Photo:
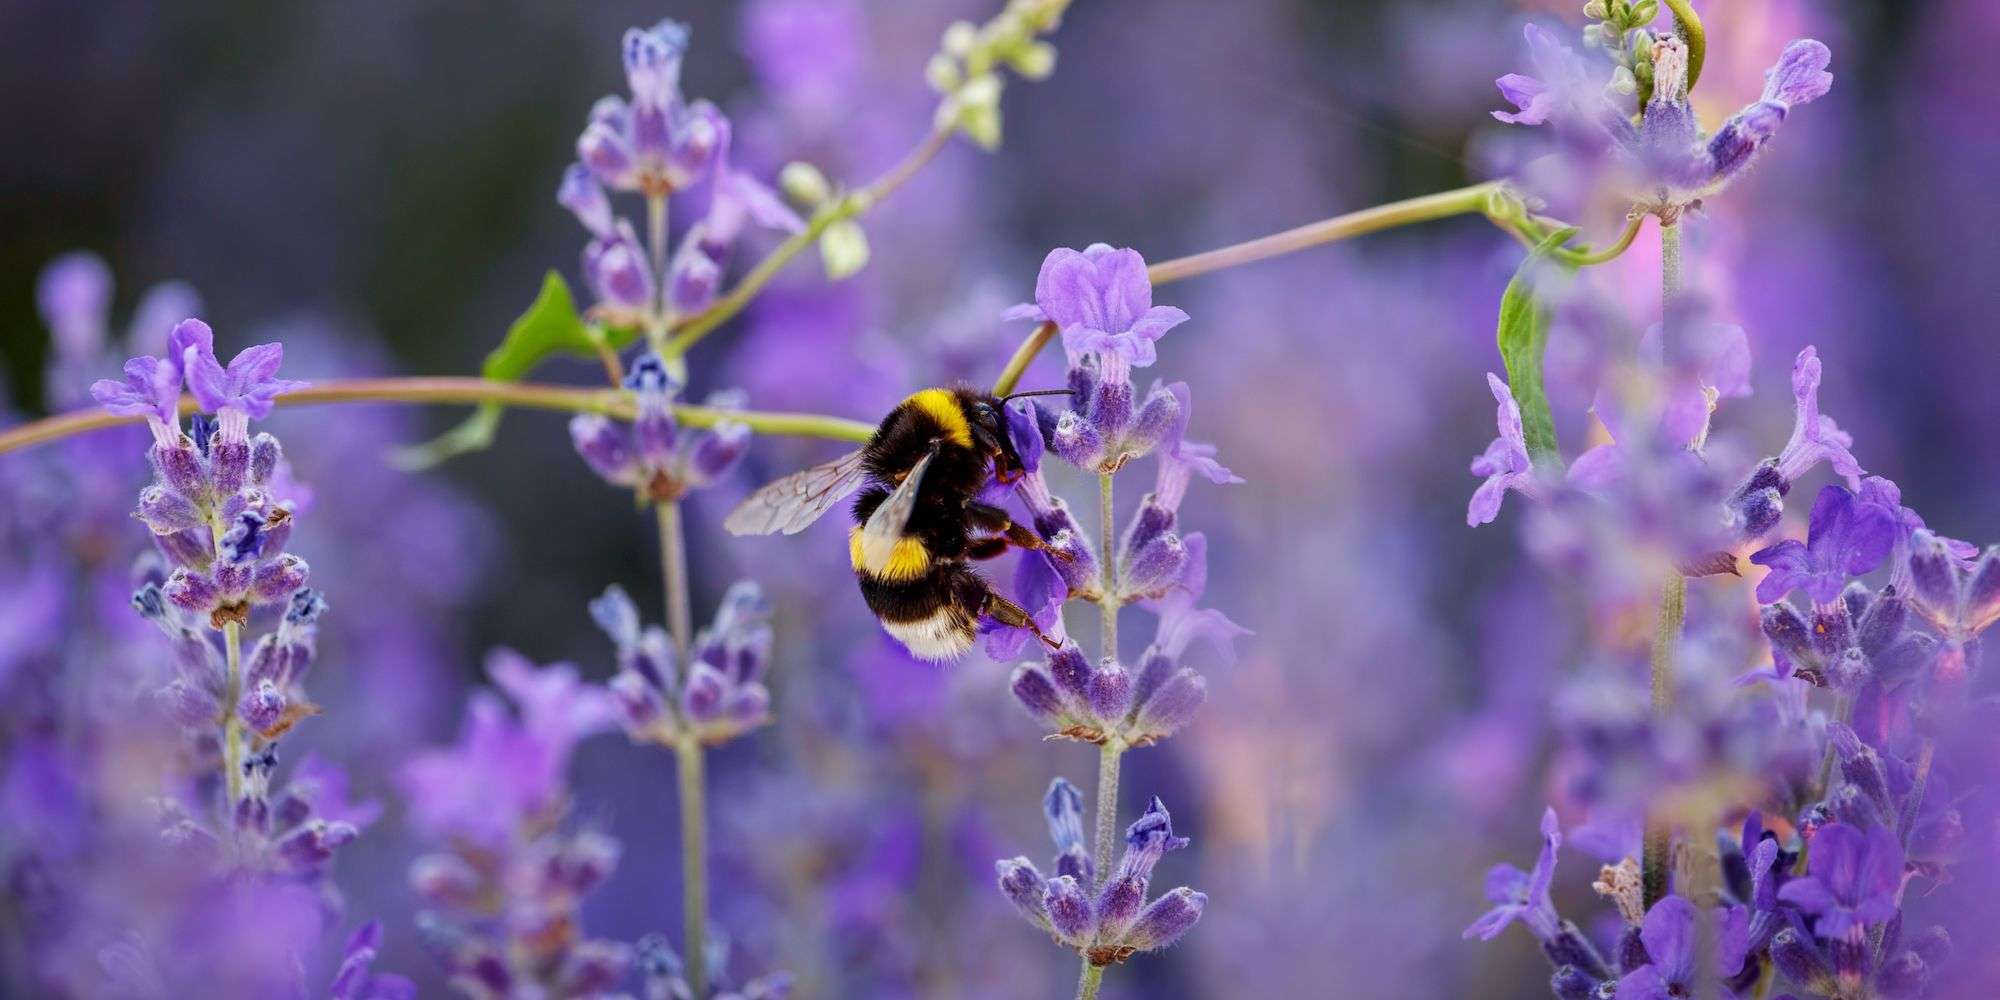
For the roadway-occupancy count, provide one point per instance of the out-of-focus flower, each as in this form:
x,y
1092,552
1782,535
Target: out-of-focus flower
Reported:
x,y
1115,921
716,697
1504,464
506,770
661,973
1664,164
355,980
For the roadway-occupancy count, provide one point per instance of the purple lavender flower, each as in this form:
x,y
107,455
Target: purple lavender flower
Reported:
x,y
73,296
1852,883
737,199
1104,701
1505,464
1669,936
247,386
717,697
506,769
654,456
661,971
658,143
1665,163
1102,302
1118,922
354,980
1844,539
1523,896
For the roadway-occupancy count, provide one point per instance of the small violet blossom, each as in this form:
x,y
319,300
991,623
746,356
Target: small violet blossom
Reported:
x,y
1852,881
660,460
1670,938
1504,464
1845,538
1523,896
1112,922
1102,303
716,697
1755,506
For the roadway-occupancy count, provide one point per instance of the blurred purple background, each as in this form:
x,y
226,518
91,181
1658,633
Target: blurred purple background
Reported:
x,y
373,183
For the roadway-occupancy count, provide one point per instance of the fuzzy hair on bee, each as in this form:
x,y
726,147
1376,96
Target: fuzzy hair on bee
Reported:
x,y
919,521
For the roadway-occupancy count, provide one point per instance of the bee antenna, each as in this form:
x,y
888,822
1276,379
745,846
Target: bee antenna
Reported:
x,y
1038,392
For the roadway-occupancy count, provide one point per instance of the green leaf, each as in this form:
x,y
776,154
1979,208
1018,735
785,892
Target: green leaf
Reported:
x,y
550,326
1524,338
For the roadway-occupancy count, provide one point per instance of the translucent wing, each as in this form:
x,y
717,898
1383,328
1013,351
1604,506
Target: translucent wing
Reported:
x,y
885,527
793,503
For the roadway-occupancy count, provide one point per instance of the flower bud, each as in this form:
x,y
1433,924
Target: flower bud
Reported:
x,y
1071,673
228,465
1172,706
603,446
804,184
190,591
180,468
1155,567
1069,910
166,511
1023,886
275,580
716,453
702,701
843,249
1169,917
1110,691
265,453
1036,692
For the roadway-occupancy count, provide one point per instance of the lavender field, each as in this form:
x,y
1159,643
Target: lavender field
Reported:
x,y
1000,498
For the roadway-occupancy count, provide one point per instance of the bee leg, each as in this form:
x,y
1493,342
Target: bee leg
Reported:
x,y
990,518
1008,613
985,548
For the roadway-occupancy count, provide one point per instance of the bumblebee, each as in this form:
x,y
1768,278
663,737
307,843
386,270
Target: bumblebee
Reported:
x,y
918,518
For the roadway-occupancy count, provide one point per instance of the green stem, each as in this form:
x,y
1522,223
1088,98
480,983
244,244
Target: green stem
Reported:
x,y
569,399
1112,751
1658,842
1666,638
694,866
1444,204
692,329
1087,985
656,243
232,724
673,569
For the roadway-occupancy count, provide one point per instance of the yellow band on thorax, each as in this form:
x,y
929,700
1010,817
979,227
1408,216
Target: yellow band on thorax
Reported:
x,y
942,406
907,561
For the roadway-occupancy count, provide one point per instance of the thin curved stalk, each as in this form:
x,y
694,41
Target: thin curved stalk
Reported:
x,y
570,399
690,330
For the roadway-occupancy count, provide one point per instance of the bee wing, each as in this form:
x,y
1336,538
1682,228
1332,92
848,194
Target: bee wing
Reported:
x,y
791,504
885,527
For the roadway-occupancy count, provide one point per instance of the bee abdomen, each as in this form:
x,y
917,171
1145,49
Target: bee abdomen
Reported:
x,y
924,613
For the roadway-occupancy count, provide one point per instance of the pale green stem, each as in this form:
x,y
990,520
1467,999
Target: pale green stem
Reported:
x,y
687,756
673,569
656,244
1093,977
1112,751
1666,638
694,866
453,389
232,724
1658,844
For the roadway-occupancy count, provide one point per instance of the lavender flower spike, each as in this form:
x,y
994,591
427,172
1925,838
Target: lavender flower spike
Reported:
x,y
1505,463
